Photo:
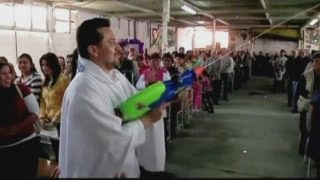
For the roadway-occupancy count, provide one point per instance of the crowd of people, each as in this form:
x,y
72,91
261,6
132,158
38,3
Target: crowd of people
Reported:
x,y
80,96
297,74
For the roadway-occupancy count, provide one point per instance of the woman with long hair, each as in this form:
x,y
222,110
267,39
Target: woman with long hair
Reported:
x,y
29,75
72,64
54,86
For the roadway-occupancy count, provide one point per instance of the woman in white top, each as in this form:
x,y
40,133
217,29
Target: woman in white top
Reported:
x,y
151,154
29,75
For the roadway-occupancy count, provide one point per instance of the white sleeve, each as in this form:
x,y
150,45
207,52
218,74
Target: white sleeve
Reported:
x,y
32,104
141,84
166,76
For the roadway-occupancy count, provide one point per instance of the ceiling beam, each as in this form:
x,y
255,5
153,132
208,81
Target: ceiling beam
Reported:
x,y
257,26
144,10
186,22
264,6
240,26
259,18
202,12
217,11
134,7
228,17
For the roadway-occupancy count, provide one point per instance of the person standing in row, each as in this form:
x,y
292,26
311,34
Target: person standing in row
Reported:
x,y
227,65
54,86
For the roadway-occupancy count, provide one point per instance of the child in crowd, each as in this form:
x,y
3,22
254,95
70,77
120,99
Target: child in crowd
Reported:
x,y
207,93
197,94
278,84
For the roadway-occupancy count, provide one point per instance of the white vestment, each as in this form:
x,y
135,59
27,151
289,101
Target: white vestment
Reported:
x,y
93,141
152,153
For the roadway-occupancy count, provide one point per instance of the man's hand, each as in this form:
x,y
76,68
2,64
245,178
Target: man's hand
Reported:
x,y
45,123
49,125
56,172
154,115
44,120
120,175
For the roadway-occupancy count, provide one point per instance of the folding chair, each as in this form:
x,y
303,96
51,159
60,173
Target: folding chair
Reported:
x,y
305,151
305,157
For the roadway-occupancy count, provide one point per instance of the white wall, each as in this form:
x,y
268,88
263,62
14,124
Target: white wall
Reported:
x,y
8,45
311,47
143,34
33,43
38,43
272,46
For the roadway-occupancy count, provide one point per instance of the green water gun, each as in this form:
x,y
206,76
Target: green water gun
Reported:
x,y
156,94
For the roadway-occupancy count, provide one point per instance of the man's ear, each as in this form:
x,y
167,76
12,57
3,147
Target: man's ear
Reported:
x,y
92,51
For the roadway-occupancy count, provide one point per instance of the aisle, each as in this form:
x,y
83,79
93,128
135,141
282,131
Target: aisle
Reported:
x,y
249,136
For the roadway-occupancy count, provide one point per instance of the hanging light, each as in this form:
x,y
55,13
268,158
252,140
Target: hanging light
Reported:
x,y
188,9
313,22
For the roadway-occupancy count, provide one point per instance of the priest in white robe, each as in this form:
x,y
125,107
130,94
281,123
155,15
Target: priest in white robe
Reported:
x,y
94,142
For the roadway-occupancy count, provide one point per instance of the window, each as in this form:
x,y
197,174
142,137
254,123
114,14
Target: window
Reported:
x,y
22,16
6,19
203,38
26,17
39,17
73,18
62,20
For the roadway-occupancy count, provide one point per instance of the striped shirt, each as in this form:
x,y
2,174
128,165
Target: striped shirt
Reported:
x,y
34,82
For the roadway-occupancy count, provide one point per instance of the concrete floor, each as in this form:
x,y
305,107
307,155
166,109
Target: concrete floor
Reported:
x,y
249,136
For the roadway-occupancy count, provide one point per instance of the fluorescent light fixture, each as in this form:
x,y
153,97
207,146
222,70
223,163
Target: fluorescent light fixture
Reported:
x,y
201,22
313,22
188,9
267,15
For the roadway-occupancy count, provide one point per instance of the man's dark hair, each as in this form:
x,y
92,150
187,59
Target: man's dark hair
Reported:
x,y
168,56
155,56
87,34
316,55
180,55
203,52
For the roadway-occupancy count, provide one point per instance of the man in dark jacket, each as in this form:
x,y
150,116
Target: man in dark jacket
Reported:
x,y
289,74
128,68
298,67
